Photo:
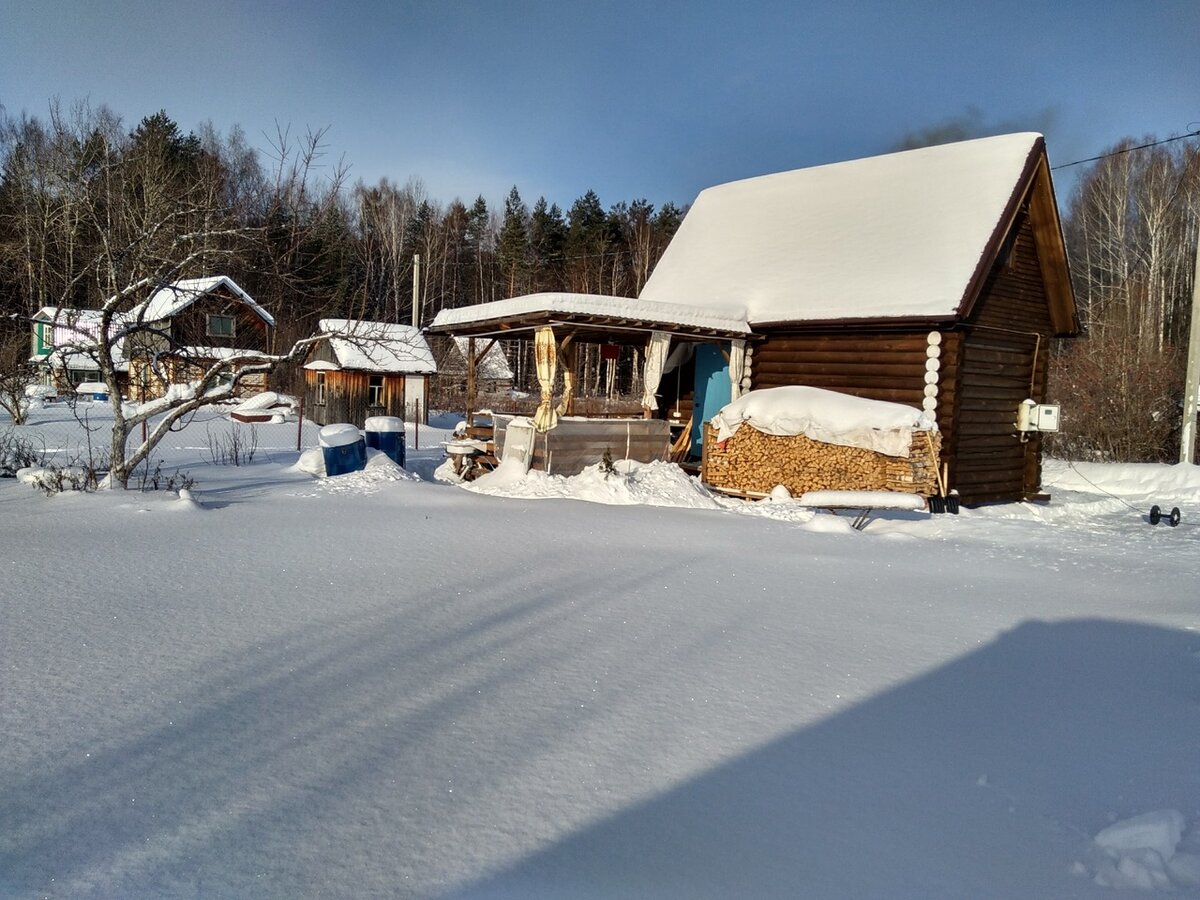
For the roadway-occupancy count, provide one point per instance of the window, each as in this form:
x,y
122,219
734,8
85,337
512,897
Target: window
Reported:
x,y
375,391
220,326
44,344
320,388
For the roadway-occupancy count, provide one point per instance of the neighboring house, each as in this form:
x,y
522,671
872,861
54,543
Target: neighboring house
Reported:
x,y
188,326
493,373
365,369
933,277
63,348
178,333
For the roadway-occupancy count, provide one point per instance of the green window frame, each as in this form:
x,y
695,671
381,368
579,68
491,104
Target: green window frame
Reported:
x,y
220,326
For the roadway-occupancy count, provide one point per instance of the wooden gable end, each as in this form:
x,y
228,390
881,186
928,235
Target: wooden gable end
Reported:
x,y
1040,296
190,327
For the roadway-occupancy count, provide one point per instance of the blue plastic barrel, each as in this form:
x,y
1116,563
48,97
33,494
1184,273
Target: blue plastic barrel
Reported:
x,y
386,434
343,447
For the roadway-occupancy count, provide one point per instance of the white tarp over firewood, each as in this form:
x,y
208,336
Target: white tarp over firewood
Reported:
x,y
825,416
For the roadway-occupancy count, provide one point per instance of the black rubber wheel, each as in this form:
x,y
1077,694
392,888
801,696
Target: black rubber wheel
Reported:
x,y
937,505
952,504
1176,517
1155,515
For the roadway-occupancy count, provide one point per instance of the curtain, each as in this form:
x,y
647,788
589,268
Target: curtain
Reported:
x,y
567,352
656,357
737,366
545,357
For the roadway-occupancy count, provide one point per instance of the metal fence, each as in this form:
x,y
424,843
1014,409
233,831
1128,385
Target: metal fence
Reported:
x,y
79,434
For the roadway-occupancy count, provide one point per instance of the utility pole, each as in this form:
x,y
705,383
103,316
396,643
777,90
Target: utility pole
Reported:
x,y
1187,443
416,290
1192,384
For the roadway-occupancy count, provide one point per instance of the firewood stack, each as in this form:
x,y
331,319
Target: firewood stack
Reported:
x,y
752,462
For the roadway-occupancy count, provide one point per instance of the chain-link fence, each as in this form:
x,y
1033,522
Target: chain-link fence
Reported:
x,y
79,434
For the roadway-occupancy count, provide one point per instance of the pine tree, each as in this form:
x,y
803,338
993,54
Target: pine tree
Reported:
x,y
513,245
547,243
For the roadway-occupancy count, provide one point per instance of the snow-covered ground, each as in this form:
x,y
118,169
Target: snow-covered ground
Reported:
x,y
373,686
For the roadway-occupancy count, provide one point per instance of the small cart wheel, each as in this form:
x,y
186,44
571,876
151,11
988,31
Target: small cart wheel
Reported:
x,y
1155,515
1176,517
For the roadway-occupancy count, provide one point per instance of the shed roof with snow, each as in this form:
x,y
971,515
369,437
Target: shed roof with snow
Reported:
x,y
379,347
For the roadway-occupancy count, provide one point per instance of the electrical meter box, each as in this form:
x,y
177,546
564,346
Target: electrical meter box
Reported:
x,y
1036,417
1045,417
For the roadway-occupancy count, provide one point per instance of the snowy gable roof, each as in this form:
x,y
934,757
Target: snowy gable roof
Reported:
x,y
170,300
892,236
494,365
378,347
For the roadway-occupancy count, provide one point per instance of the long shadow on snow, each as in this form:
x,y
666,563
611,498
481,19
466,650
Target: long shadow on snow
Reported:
x,y
983,778
271,738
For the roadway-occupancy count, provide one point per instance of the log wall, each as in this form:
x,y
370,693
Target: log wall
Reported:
x,y
988,365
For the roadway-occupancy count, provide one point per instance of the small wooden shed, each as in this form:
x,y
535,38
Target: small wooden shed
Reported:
x,y
360,369
934,277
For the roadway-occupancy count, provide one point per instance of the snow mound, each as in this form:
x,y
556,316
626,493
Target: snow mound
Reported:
x,y
1170,484
265,400
380,468
1140,853
186,501
825,416
628,483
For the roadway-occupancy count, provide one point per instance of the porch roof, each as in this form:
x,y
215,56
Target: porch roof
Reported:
x,y
591,317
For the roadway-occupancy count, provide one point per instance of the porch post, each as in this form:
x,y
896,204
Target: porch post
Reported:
x,y
470,411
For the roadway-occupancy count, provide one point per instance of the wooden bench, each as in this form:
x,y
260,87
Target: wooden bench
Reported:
x,y
864,503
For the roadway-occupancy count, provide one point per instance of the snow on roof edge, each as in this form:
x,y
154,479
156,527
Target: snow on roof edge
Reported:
x,y
731,318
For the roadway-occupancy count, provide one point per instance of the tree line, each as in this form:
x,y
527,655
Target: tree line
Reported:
x,y
90,209
1130,225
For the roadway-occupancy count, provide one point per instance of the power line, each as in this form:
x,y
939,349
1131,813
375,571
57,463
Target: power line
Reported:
x,y
1181,137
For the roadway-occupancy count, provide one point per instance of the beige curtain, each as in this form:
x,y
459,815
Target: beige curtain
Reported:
x,y
545,356
656,357
567,352
737,366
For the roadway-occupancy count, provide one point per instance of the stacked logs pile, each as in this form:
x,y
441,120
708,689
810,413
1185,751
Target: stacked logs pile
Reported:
x,y
752,462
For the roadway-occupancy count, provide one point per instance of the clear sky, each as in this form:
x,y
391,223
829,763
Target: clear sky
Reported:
x,y
654,99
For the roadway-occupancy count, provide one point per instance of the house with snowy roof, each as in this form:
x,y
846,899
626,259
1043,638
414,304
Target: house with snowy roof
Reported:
x,y
358,369
181,330
186,327
64,347
934,278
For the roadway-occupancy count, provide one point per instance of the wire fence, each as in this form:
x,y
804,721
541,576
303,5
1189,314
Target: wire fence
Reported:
x,y
78,435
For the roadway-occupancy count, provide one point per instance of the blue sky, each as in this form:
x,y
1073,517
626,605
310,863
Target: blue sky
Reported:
x,y
631,99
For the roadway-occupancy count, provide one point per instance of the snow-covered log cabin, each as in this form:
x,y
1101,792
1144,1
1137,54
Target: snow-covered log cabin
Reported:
x,y
934,277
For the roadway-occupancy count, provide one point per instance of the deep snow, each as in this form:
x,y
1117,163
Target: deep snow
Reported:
x,y
288,686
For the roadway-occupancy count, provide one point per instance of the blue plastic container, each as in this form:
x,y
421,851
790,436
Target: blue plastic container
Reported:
x,y
386,434
344,449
